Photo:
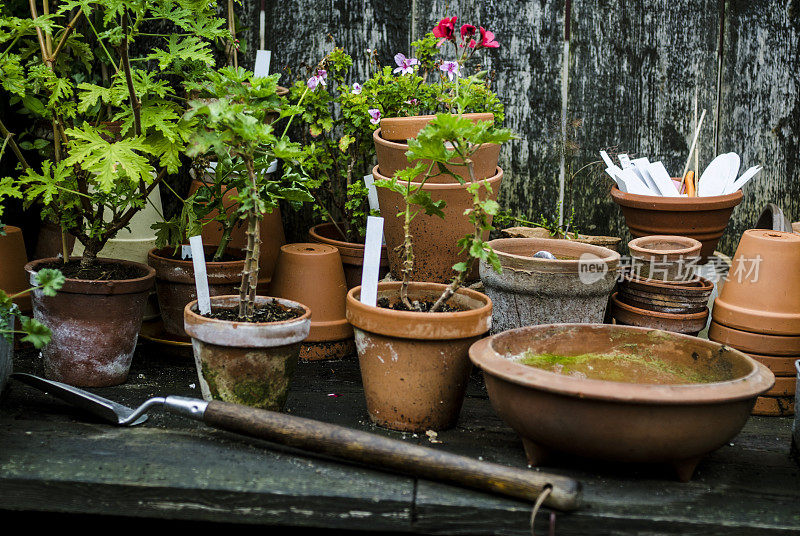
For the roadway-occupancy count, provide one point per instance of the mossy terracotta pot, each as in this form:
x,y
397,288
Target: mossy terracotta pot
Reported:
x,y
664,257
352,253
762,291
436,247
414,365
572,288
175,284
701,218
312,274
248,363
621,420
629,315
404,128
94,325
13,259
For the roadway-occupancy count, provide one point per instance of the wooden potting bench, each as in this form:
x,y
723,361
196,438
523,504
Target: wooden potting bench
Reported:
x,y
57,463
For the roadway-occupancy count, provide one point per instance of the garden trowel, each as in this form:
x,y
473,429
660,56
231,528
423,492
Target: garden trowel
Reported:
x,y
332,440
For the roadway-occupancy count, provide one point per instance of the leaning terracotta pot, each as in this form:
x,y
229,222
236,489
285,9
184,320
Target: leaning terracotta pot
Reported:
x,y
572,288
664,257
352,253
404,128
701,218
175,283
391,157
13,259
94,325
414,365
312,274
687,323
250,363
760,343
762,291
436,247
620,420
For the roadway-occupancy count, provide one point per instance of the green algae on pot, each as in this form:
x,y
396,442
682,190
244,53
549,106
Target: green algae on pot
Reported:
x,y
250,363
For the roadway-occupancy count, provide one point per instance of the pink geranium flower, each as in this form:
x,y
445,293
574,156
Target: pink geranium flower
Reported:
x,y
356,89
451,68
487,39
445,30
404,65
374,115
315,81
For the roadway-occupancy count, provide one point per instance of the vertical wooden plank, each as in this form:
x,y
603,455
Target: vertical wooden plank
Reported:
x,y
760,112
635,67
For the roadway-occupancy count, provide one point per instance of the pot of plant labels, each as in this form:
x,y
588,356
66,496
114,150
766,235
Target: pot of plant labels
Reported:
x,y
250,363
701,218
664,257
312,274
574,287
94,319
686,323
352,253
404,128
610,242
630,394
414,365
436,247
13,259
762,292
175,283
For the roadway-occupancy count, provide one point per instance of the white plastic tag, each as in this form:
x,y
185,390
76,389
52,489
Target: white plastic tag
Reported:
x,y
186,252
372,261
372,192
607,159
263,58
200,275
624,160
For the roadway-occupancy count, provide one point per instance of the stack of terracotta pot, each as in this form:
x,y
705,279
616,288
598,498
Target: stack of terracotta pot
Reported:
x,y
758,311
661,291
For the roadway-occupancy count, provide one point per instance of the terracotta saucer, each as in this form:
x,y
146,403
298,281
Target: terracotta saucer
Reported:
x,y
691,323
153,331
750,342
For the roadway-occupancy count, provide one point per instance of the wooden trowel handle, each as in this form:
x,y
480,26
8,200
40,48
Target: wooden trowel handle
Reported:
x,y
398,456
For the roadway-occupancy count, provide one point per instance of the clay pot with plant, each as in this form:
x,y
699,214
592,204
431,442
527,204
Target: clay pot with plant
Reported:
x,y
412,344
92,183
247,346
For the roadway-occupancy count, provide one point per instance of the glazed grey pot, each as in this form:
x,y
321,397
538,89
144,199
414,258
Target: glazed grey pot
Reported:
x,y
573,288
6,358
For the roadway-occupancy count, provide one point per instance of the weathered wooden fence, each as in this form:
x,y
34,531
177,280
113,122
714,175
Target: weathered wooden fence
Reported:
x,y
630,71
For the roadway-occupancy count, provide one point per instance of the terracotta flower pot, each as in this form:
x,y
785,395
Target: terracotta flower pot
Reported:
x,y
414,366
250,363
94,325
689,324
530,291
175,284
664,257
404,128
436,247
391,157
780,366
610,242
352,254
312,274
762,292
748,342
771,406
272,235
701,218
674,423
13,259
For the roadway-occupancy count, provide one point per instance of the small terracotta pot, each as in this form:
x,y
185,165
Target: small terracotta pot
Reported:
x,y
13,259
529,291
436,247
619,420
762,291
352,254
414,366
610,242
404,128
272,235
312,274
664,257
94,325
780,366
760,343
689,324
175,284
771,406
701,218
391,157
250,363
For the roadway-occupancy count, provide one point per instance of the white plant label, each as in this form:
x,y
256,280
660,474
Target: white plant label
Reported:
x,y
372,261
624,160
372,192
186,252
263,58
200,275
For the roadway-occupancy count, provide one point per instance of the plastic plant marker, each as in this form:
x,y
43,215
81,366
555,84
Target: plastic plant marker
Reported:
x,y
372,193
640,164
613,172
624,160
639,175
372,261
744,179
186,252
734,164
607,159
263,58
634,184
713,180
662,179
200,275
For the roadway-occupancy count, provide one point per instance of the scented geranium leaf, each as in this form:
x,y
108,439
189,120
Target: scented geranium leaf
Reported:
x,y
189,48
296,194
9,188
45,185
423,199
106,160
490,207
168,152
90,94
6,303
34,105
50,280
36,333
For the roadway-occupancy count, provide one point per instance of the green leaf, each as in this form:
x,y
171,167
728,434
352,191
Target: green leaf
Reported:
x,y
37,333
106,160
190,48
50,280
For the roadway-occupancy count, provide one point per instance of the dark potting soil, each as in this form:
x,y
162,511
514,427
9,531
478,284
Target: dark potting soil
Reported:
x,y
423,306
100,271
271,312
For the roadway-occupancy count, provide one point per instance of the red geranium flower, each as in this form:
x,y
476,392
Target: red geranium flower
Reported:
x,y
446,29
468,30
487,39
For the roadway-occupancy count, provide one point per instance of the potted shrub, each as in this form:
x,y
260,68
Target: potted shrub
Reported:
x,y
247,346
412,346
114,140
